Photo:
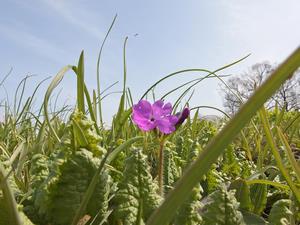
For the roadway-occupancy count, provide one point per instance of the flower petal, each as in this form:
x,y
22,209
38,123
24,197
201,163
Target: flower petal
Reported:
x,y
157,109
143,108
173,119
143,123
158,103
148,125
167,108
165,126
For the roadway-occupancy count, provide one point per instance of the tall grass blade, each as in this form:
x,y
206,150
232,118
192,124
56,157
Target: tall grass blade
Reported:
x,y
10,202
56,80
164,214
191,70
80,83
98,71
292,160
272,145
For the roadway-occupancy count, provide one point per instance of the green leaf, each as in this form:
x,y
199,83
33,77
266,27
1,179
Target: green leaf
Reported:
x,y
8,202
280,212
80,83
242,193
258,194
171,172
271,142
4,215
59,197
92,185
222,209
56,80
188,213
253,219
137,195
98,71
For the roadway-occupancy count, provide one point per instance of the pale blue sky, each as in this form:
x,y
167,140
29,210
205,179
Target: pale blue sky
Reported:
x,y
41,36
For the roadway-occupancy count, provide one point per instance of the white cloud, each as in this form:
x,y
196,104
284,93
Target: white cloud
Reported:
x,y
268,29
75,15
33,42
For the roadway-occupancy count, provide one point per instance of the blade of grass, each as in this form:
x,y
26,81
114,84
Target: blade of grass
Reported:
x,y
27,106
10,202
98,71
191,70
23,84
80,83
57,79
121,108
268,182
272,145
191,81
289,152
91,109
164,214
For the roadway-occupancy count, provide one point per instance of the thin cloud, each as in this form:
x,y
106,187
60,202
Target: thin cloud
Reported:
x,y
33,42
258,26
74,16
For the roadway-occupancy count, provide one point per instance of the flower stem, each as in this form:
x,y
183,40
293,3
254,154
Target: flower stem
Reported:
x,y
161,168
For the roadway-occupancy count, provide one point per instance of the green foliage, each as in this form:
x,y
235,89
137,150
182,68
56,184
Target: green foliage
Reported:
x,y
212,180
39,170
230,164
258,194
171,171
222,209
242,193
4,215
253,219
60,171
60,195
280,213
86,134
188,212
137,196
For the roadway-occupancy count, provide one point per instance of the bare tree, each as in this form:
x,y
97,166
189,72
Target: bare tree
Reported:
x,y
240,88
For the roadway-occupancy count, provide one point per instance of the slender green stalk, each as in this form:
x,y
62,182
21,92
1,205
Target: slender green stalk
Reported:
x,y
289,152
98,71
191,70
9,199
268,182
164,214
161,168
271,143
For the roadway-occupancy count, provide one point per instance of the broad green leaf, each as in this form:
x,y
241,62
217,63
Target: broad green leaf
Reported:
x,y
253,219
222,209
137,193
280,212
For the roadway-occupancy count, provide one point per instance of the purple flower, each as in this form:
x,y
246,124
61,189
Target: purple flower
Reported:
x,y
158,115
182,116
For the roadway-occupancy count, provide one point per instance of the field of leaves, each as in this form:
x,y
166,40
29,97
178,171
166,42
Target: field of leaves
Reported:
x,y
239,170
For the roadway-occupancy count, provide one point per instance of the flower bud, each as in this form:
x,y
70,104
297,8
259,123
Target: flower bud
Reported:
x,y
182,116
